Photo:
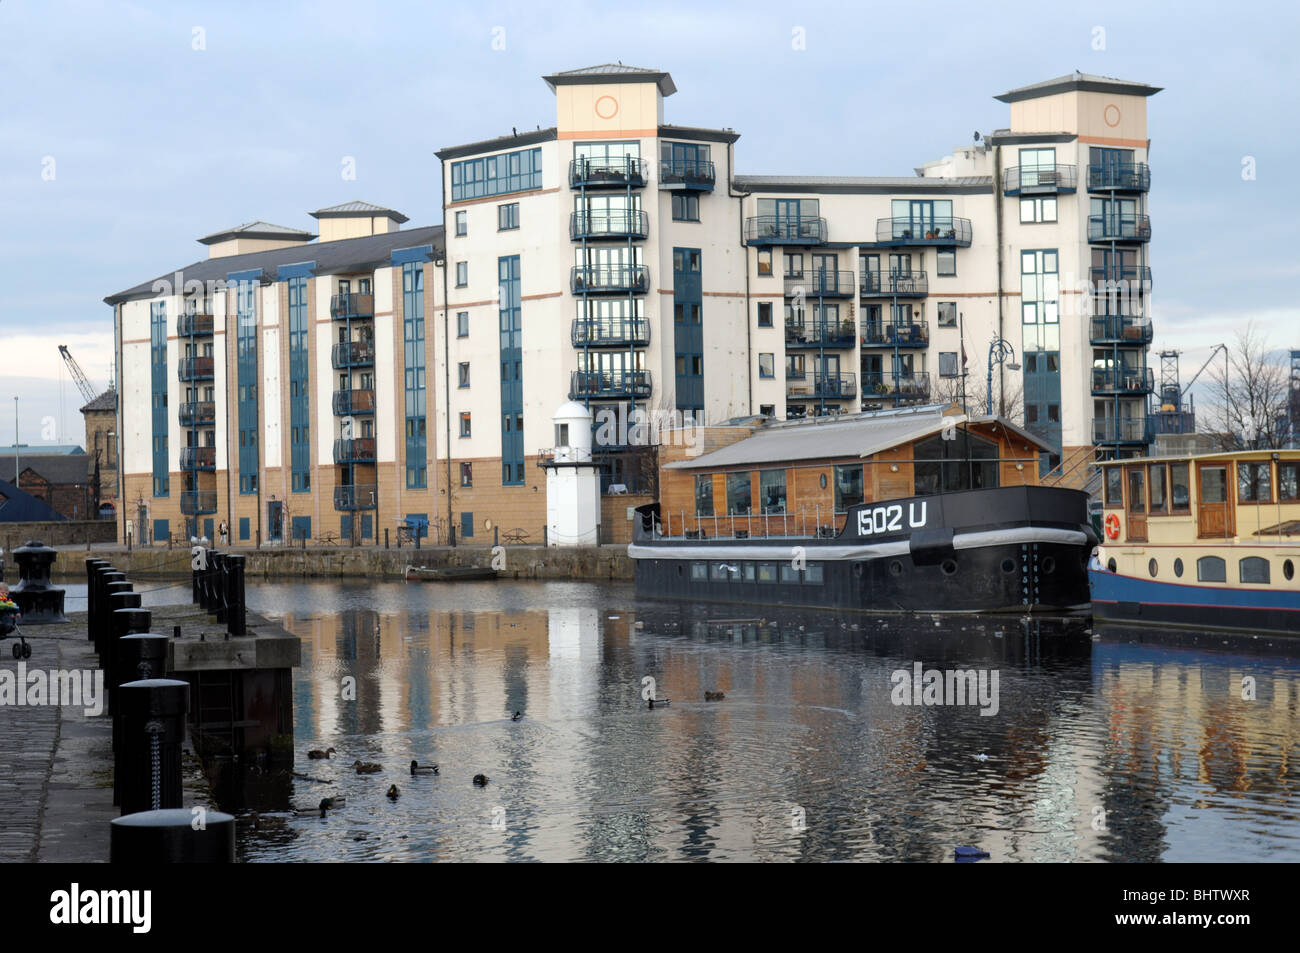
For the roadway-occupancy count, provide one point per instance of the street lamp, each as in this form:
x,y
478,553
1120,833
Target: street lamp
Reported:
x,y
999,351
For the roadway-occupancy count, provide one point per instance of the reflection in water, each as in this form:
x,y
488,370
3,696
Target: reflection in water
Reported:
x,y
1098,750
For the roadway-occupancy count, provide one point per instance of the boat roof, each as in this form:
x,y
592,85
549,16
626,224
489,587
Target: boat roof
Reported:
x,y
1225,455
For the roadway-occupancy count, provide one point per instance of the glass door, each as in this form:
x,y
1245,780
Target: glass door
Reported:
x,y
921,214
787,218
1214,517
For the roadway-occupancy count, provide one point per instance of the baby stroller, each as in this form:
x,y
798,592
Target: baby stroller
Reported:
x,y
9,616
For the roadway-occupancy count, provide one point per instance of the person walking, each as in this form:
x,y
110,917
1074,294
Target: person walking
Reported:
x,y
223,532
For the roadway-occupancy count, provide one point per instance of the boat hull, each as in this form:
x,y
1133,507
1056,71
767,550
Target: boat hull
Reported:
x,y
1129,600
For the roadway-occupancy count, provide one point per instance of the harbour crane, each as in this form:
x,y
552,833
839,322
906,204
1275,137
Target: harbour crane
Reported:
x,y
78,375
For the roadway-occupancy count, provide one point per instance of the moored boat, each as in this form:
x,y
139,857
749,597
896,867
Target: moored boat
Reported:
x,y
448,573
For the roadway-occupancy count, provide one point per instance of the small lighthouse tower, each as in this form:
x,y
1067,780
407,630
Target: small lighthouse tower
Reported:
x,y
572,481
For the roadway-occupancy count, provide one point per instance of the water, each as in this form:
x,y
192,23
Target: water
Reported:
x,y
1099,751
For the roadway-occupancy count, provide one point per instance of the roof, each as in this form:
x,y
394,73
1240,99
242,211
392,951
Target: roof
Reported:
x,y
258,230
866,184
61,469
105,401
612,73
344,256
516,140
1225,455
18,506
1085,82
351,209
669,131
7,453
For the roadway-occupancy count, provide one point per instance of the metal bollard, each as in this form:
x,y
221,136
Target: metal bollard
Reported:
x,y
139,656
105,606
128,618
235,606
219,606
173,837
102,578
148,760
93,566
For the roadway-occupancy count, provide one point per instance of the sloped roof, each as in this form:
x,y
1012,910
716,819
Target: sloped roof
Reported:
x,y
62,469
1087,82
350,209
19,506
258,230
516,140
105,401
612,73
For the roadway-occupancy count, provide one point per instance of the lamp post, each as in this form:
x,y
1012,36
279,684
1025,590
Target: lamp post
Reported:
x,y
999,351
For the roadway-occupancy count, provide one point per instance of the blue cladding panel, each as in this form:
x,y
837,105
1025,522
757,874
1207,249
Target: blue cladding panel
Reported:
x,y
512,384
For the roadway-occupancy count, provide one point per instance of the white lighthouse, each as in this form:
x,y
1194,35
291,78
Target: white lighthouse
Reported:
x,y
572,481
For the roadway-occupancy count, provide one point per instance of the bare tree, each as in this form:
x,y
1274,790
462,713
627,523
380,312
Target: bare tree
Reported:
x,y
1249,399
1008,402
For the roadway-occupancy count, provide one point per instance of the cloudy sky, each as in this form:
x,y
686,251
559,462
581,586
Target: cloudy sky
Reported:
x,y
127,130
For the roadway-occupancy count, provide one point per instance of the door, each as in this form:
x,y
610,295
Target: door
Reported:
x,y
274,519
1137,504
1214,517
921,214
869,266
787,218
830,371
873,331
873,374
825,273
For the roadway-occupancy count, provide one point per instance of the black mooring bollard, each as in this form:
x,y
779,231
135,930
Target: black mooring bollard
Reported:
x,y
235,614
128,619
106,607
176,836
219,605
148,760
93,565
103,577
205,579
140,655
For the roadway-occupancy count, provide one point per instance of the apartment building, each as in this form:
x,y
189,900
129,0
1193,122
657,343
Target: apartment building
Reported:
x,y
303,386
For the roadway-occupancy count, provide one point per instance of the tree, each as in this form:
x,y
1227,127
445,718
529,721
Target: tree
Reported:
x,y
1008,401
1249,399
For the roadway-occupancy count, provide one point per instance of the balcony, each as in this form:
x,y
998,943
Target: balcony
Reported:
x,y
197,412
821,284
347,402
1127,177
193,324
893,334
911,387
609,384
941,232
618,172
198,458
693,174
195,369
609,279
1120,278
1121,430
821,386
889,284
353,354
618,223
1122,380
355,450
197,502
1121,329
610,332
1119,228
352,305
362,496
1023,180
831,334
780,230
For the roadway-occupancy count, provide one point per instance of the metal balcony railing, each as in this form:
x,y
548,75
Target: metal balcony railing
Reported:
x,y
198,458
618,223
614,172
353,354
821,385
195,369
610,332
361,496
361,401
1030,180
194,323
891,334
914,386
903,284
609,384
815,333
1119,228
923,231
779,230
1120,329
195,412
609,279
1125,177
195,502
1120,278
1121,430
686,174
1123,380
355,450
352,305
820,284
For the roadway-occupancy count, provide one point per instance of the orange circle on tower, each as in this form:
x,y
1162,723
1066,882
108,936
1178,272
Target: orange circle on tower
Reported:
x,y
1111,109
607,107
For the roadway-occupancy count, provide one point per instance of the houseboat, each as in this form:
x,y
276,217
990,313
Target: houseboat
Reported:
x,y
912,510
1201,542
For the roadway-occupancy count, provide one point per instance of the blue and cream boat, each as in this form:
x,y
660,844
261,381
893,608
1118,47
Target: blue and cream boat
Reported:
x,y
1201,542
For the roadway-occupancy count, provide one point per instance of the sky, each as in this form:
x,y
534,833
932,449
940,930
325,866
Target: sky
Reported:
x,y
128,130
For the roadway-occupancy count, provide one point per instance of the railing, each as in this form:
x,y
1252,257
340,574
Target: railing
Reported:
x,y
354,402
197,412
1018,179
837,334
198,501
193,323
195,369
922,231
609,384
619,223
822,385
352,305
610,332
1126,177
778,230
198,458
809,523
362,496
355,450
686,173
889,334
820,284
1119,228
901,386
1121,329
906,284
609,279
353,354
1123,380
619,171
1121,430
1120,278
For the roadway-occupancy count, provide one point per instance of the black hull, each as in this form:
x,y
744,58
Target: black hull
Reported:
x,y
1201,617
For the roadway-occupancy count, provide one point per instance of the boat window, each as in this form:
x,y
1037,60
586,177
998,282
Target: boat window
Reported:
x,y
1254,482
704,494
1254,569
1179,496
1137,497
1157,488
771,490
848,487
738,495
1288,478
767,572
723,572
1214,485
1211,569
1288,570
1178,568
748,570
1114,486
945,466
789,573
813,575
699,572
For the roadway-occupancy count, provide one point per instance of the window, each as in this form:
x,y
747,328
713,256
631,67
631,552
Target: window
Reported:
x,y
767,365
1034,210
1180,496
765,314
947,363
793,265
462,374
464,424
794,367
767,410
496,175
947,314
1157,489
765,261
462,274
1254,569
704,494
1114,486
1137,497
738,493
1211,569
466,474
1288,476
767,572
686,207
699,572
1254,482
848,487
789,574
561,435
723,572
461,226
462,324
507,217
969,462
771,490
814,575
1214,485
945,263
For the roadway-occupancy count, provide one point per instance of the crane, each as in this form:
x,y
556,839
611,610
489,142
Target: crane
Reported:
x,y
78,374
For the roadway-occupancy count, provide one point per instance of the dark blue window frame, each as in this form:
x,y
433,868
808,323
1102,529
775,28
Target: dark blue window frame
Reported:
x,y
299,394
417,468
158,381
512,384
496,175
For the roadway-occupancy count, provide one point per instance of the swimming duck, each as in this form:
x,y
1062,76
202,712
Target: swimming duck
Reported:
x,y
367,767
393,793
714,696
517,716
316,754
417,768
659,702
480,780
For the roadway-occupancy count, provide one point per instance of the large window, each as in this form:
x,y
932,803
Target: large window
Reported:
x,y
1254,482
704,494
158,366
969,462
1114,486
299,393
848,487
1254,569
496,175
1180,496
738,493
1288,482
416,434
1211,569
771,489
